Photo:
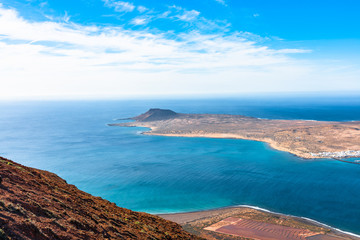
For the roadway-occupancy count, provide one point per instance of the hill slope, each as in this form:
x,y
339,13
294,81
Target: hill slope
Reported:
x,y
156,114
36,204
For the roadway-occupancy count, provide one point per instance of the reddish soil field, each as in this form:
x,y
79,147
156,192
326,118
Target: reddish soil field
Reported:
x,y
259,230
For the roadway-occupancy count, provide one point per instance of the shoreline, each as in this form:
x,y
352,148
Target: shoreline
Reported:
x,y
271,143
203,214
306,139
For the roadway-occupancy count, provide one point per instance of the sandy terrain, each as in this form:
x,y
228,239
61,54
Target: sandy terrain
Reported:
x,y
306,139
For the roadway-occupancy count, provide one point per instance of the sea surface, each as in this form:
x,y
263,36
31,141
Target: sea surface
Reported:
x,y
159,174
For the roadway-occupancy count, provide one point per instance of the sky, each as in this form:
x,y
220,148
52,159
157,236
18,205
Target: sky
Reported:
x,y
109,49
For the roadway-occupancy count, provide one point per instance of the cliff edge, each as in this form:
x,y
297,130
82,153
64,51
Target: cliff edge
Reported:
x,y
36,204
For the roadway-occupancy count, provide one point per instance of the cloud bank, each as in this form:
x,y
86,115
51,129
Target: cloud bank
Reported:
x,y
68,60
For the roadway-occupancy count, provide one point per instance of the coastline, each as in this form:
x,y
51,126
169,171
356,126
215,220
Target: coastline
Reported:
x,y
281,135
184,218
303,138
270,142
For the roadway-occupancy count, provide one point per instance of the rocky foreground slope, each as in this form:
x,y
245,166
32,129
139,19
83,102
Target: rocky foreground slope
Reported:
x,y
36,204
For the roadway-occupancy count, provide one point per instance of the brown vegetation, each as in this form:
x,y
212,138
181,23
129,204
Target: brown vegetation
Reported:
x,y
36,204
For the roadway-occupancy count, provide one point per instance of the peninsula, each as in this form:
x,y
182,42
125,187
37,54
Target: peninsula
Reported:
x,y
303,138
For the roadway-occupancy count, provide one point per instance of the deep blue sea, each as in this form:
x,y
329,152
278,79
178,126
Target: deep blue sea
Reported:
x,y
159,174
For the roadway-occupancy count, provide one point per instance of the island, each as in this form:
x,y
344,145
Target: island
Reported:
x,y
303,138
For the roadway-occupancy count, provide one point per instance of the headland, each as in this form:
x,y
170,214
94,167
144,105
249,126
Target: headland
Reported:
x,y
303,138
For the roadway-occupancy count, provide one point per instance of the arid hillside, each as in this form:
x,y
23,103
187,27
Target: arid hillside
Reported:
x,y
36,204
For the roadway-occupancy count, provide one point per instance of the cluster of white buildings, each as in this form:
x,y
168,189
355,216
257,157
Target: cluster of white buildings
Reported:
x,y
342,154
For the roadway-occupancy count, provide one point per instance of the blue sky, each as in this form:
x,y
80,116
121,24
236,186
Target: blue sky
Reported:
x,y
118,49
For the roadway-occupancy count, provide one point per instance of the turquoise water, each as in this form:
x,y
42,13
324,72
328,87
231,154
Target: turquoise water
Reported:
x,y
168,174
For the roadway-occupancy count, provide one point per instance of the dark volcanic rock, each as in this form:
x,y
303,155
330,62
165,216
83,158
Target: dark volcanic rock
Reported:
x,y
36,204
156,114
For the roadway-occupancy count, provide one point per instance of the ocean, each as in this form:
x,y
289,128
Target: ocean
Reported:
x,y
159,174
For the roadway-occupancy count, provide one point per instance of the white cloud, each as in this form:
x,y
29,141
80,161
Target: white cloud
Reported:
x,y
256,15
188,15
178,14
120,6
164,14
57,60
43,4
142,9
221,2
285,50
140,21
182,13
192,18
66,17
